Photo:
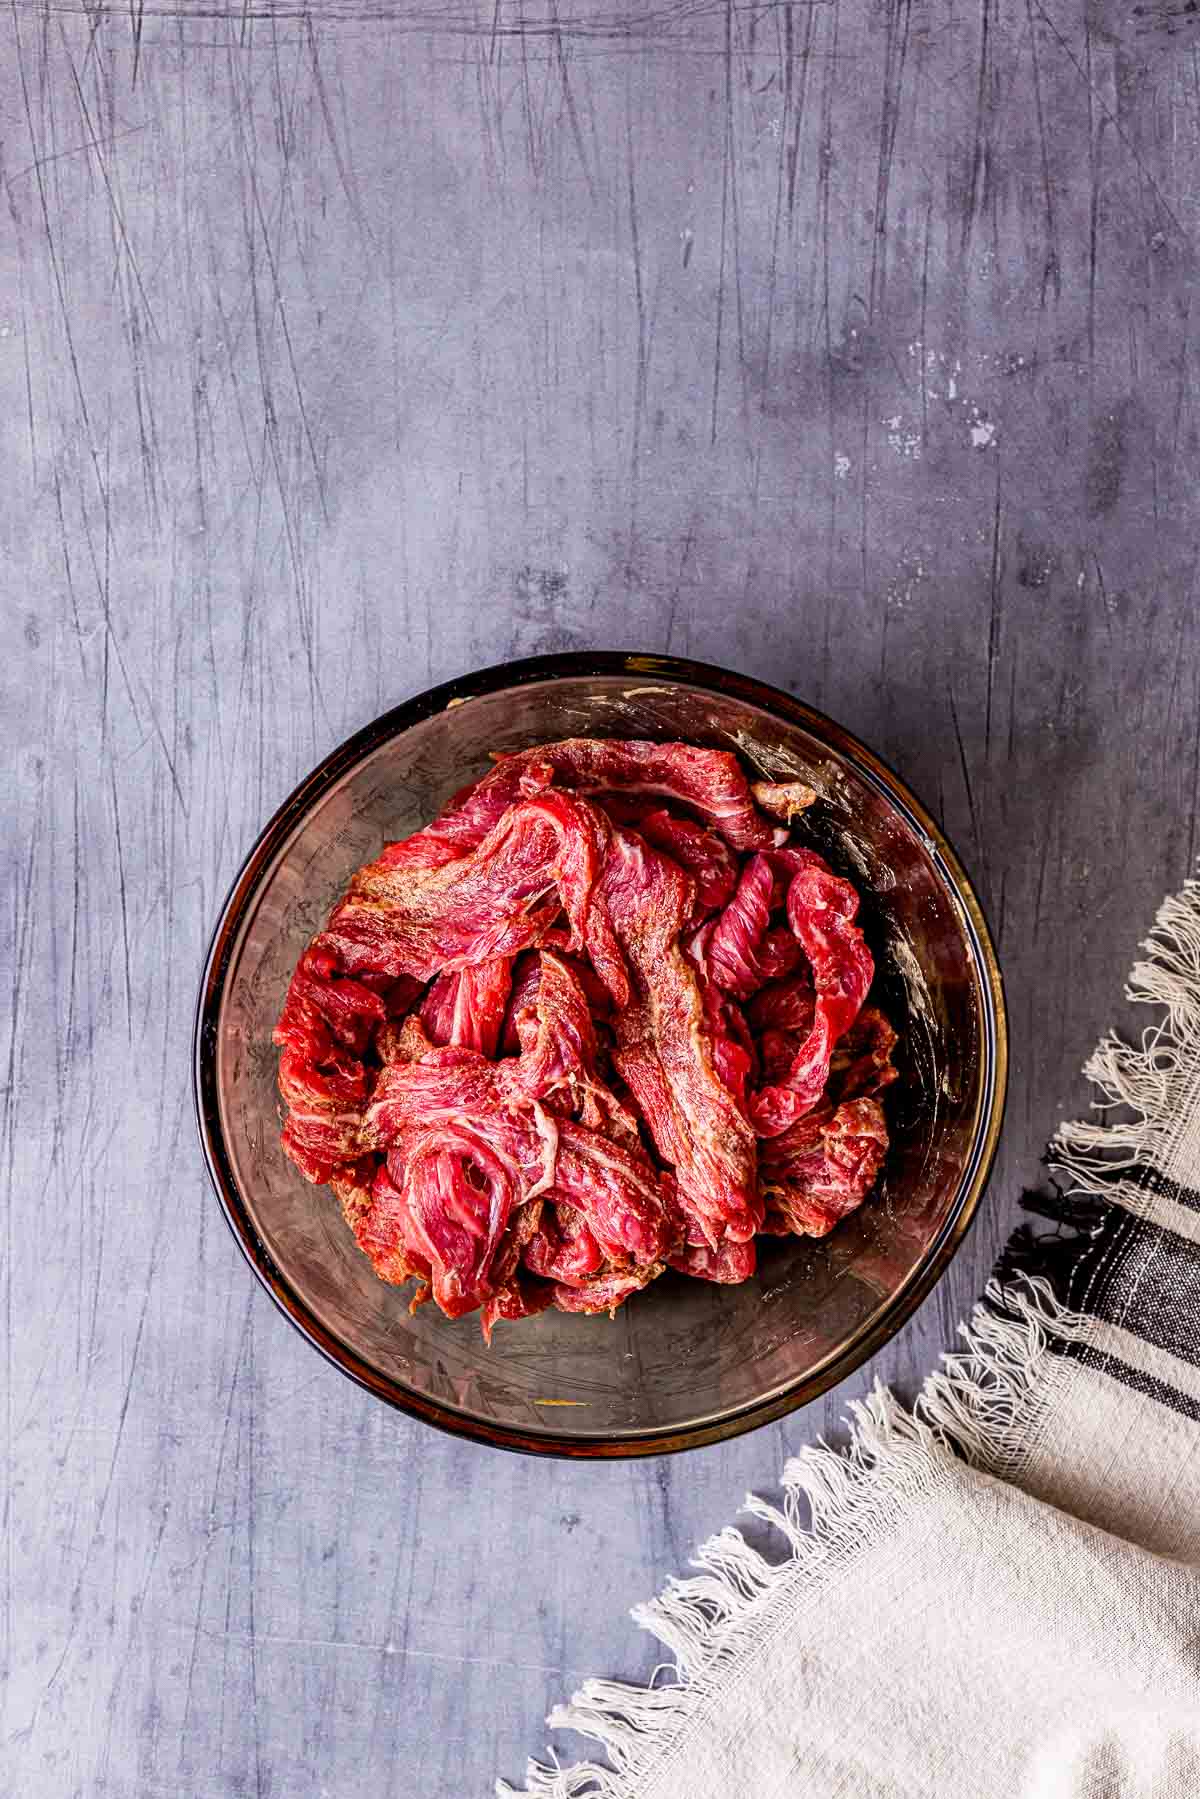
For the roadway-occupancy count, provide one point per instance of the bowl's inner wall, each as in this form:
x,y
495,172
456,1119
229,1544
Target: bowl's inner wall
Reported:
x,y
684,1351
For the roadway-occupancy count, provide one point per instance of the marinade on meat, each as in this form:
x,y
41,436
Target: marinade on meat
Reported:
x,y
600,1018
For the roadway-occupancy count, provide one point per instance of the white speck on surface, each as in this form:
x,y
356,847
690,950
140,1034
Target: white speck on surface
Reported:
x,y
905,443
983,434
841,466
936,363
901,589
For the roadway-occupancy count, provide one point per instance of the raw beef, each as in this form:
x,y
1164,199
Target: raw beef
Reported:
x,y
708,782
821,910
600,1018
823,1167
664,1048
698,850
467,1006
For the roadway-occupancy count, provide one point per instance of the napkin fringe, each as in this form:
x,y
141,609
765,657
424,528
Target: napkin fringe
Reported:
x,y
986,1400
835,1503
1151,1082
983,1404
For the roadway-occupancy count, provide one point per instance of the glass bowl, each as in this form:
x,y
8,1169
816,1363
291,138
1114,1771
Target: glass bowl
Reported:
x,y
685,1362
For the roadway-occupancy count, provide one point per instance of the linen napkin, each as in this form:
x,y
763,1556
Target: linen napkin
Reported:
x,y
998,1593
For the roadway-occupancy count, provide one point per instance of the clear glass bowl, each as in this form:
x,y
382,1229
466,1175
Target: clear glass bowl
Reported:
x,y
685,1362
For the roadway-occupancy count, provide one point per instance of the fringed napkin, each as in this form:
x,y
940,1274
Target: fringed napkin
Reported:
x,y
998,1594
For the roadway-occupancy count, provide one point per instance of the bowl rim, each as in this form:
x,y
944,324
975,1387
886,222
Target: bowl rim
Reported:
x,y
890,1317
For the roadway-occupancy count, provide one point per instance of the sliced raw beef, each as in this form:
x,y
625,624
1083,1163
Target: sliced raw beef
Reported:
x,y
823,1167
862,1063
598,1019
467,1006
325,1110
698,850
542,858
664,1049
821,910
708,782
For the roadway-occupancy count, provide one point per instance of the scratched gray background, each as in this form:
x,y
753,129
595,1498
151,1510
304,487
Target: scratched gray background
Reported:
x,y
848,344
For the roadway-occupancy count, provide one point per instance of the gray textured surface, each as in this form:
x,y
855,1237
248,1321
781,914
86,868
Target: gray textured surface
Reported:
x,y
847,344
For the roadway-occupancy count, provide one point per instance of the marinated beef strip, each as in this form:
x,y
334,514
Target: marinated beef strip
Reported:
x,y
698,850
707,782
821,910
737,935
325,1092
599,1018
862,1064
542,857
664,1048
467,1006
823,1166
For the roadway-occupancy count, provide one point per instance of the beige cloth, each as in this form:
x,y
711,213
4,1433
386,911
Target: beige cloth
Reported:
x,y
1001,1595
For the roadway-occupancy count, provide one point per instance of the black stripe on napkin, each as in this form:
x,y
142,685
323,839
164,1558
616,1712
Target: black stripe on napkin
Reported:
x,y
1151,1181
1106,1263
1153,1290
1134,1378
1103,1261
1089,1236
